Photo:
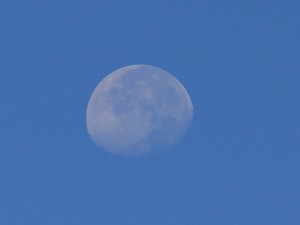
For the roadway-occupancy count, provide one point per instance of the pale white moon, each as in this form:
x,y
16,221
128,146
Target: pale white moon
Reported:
x,y
137,110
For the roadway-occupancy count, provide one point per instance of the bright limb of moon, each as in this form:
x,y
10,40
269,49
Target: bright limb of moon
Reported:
x,y
138,109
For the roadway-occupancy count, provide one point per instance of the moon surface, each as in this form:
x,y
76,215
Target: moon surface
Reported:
x,y
137,110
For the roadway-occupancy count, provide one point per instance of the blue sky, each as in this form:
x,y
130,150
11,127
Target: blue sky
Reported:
x,y
239,163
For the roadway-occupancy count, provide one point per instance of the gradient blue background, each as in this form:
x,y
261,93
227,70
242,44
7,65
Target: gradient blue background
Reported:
x,y
238,165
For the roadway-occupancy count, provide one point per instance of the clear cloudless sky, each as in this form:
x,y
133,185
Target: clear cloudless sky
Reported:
x,y
239,164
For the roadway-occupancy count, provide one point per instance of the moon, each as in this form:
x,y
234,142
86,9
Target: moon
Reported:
x,y
138,110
